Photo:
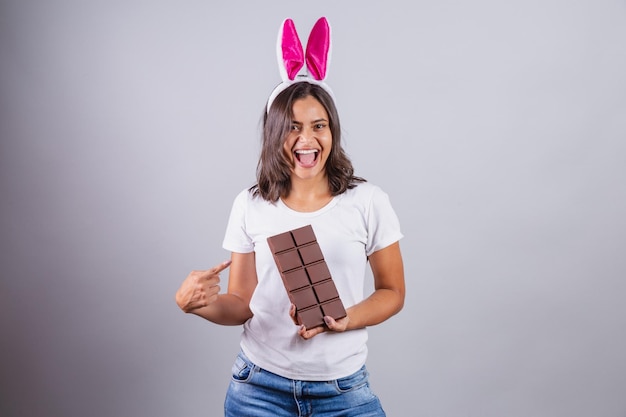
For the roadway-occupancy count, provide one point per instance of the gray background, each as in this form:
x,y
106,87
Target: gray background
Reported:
x,y
497,128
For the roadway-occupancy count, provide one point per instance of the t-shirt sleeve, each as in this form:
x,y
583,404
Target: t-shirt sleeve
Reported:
x,y
383,223
236,239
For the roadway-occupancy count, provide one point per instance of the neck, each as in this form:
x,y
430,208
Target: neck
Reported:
x,y
307,196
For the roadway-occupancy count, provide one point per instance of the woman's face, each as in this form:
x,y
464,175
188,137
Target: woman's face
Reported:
x,y
309,142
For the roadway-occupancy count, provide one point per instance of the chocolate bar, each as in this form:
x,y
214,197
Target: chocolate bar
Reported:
x,y
306,276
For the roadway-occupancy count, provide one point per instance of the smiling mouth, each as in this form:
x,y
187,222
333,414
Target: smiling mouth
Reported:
x,y
306,157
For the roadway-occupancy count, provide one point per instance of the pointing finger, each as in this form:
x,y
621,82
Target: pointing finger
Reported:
x,y
219,268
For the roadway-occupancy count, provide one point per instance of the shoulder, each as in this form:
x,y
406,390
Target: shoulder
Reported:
x,y
369,199
246,199
242,198
245,194
248,194
365,191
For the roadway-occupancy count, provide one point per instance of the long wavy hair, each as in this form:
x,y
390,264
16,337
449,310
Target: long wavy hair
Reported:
x,y
274,168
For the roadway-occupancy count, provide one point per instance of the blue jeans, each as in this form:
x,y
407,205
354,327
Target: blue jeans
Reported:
x,y
255,392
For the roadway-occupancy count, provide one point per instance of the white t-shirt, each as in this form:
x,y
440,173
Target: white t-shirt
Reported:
x,y
350,227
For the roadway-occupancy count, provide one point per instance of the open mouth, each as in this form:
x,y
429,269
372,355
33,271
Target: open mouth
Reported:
x,y
306,157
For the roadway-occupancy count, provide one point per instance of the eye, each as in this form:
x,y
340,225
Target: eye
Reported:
x,y
320,126
295,128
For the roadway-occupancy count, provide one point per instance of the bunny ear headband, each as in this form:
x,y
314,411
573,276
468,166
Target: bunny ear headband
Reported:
x,y
291,57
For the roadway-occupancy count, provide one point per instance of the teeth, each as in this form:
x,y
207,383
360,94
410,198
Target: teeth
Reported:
x,y
305,151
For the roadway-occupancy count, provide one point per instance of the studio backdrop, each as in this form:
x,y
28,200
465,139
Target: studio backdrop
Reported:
x,y
498,129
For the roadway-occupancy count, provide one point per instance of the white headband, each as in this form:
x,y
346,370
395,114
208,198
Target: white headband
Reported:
x,y
291,57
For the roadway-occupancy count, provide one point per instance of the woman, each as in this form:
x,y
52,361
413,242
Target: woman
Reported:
x,y
304,177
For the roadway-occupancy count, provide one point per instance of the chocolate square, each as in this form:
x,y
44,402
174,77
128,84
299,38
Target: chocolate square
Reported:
x,y
325,291
288,260
296,279
304,297
318,272
313,316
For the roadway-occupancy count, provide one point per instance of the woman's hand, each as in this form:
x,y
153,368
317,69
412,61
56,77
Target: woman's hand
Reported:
x,y
200,288
331,325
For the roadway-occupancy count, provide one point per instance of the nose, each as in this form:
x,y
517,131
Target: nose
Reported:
x,y
305,135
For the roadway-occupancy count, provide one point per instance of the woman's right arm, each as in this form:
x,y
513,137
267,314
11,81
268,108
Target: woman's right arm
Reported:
x,y
199,292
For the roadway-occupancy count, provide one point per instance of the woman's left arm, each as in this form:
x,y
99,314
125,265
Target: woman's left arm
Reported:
x,y
386,300
388,296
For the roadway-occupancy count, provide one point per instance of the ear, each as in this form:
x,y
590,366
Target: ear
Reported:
x,y
289,51
318,50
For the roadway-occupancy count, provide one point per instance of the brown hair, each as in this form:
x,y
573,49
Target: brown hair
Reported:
x,y
274,169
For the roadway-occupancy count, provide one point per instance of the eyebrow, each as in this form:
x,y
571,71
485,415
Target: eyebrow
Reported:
x,y
313,122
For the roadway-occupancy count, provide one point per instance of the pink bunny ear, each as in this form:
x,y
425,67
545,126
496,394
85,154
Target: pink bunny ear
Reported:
x,y
318,49
291,57
290,53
